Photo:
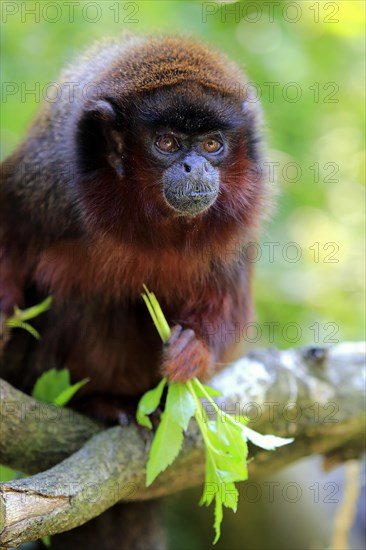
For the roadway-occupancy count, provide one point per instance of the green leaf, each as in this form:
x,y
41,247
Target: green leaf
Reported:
x,y
50,384
210,391
7,474
213,439
180,404
230,496
31,312
242,420
218,518
230,462
148,403
64,397
225,438
211,485
17,323
46,540
53,386
229,469
268,442
232,438
165,447
227,442
224,494
18,320
157,315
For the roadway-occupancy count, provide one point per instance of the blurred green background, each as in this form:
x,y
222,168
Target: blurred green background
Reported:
x,y
307,60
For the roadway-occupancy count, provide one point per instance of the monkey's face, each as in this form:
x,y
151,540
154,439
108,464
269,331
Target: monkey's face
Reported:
x,y
187,135
191,179
182,151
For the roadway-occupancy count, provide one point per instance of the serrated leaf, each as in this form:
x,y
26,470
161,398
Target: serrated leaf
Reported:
x,y
212,440
211,485
268,442
64,397
148,403
165,447
218,518
232,439
51,384
230,496
227,445
227,467
180,404
228,470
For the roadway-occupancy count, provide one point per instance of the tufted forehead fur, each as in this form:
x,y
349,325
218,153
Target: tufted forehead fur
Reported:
x,y
170,60
120,67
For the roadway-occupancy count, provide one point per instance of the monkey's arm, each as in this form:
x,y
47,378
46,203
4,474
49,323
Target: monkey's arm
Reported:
x,y
208,328
36,210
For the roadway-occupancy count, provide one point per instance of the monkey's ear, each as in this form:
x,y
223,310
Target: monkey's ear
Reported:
x,y
102,109
100,136
245,106
249,107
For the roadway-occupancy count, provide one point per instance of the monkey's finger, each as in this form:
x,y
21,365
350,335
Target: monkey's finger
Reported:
x,y
186,339
175,333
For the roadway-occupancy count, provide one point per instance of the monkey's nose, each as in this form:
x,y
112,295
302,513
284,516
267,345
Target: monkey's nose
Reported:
x,y
194,164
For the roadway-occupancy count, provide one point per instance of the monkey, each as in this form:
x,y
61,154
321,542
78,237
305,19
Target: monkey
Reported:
x,y
148,173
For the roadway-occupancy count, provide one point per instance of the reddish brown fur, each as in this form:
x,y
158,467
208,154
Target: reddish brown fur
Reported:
x,y
94,249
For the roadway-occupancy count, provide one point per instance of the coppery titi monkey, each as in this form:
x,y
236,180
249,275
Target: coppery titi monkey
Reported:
x,y
146,170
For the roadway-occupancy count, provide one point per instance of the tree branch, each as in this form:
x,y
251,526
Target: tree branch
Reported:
x,y
313,394
35,435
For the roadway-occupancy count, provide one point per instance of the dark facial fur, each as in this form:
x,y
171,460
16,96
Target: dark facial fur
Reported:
x,y
185,182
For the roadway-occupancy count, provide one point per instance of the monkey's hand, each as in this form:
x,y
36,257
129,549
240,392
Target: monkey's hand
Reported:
x,y
185,356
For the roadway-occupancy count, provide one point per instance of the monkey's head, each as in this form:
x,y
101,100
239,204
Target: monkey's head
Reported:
x,y
173,137
187,149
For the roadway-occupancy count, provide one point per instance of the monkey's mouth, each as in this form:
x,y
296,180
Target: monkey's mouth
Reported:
x,y
190,201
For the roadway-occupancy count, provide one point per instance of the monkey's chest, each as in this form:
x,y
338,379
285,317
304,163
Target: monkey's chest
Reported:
x,y
101,328
113,272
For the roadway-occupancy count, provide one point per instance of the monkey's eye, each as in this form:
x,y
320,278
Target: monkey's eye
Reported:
x,y
167,144
212,145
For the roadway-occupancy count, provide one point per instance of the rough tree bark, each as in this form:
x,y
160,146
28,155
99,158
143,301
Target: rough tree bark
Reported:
x,y
313,394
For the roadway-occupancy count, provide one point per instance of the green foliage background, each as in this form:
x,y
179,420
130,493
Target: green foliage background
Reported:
x,y
319,47
316,46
